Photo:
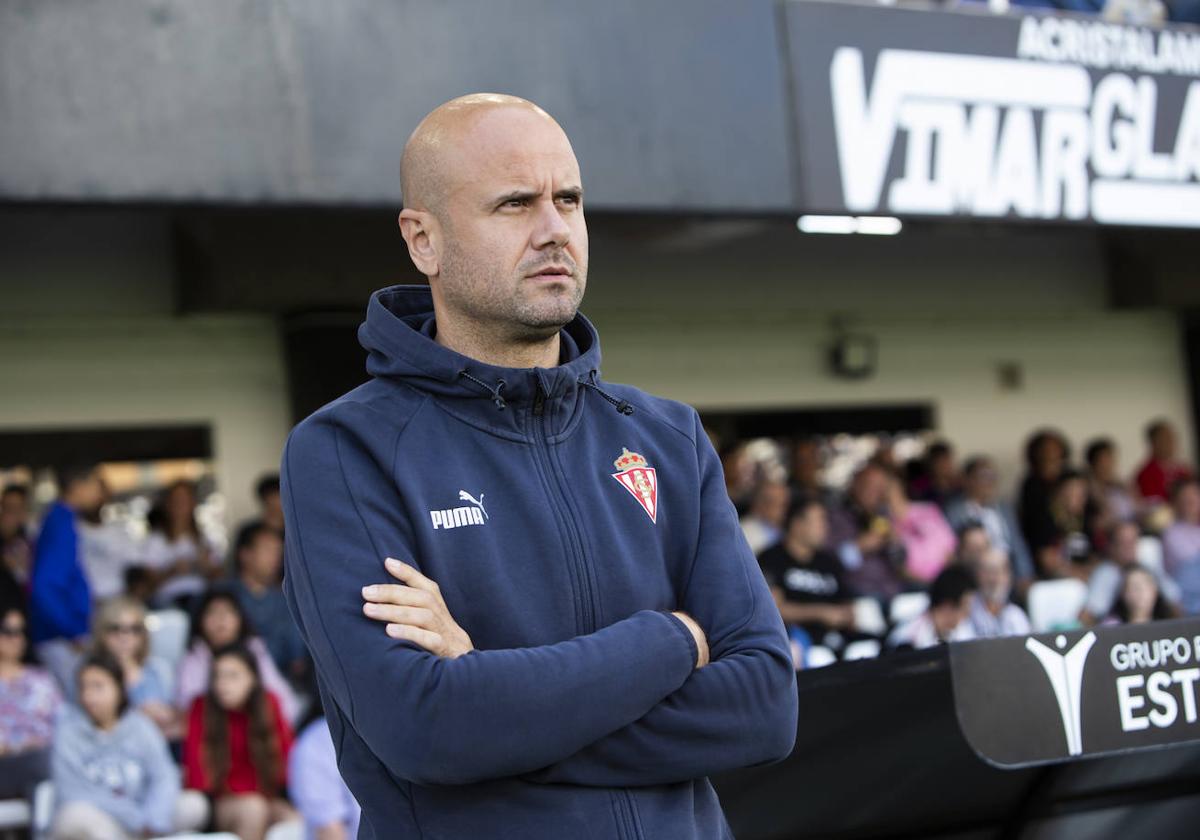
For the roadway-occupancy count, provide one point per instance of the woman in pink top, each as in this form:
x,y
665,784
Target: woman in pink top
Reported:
x,y
220,621
929,542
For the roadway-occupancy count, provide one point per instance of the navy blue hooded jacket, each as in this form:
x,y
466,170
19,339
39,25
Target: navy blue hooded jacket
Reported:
x,y
527,495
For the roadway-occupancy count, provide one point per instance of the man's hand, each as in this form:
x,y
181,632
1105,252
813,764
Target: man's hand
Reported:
x,y
415,612
698,633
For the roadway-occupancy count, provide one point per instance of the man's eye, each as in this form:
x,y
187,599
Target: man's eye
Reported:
x,y
514,202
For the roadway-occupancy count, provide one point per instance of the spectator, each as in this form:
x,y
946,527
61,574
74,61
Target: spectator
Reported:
x,y
29,702
928,540
992,611
326,805
16,543
946,619
108,551
981,503
805,577
1162,470
860,531
259,564
1181,541
1061,546
113,774
219,621
120,632
1105,583
1109,497
763,525
1140,601
60,603
973,542
1047,456
940,481
180,556
237,747
740,476
267,491
808,471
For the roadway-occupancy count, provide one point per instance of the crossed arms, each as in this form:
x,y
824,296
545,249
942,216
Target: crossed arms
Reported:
x,y
625,705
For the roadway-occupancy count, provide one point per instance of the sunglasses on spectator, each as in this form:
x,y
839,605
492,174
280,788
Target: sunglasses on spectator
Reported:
x,y
11,630
124,628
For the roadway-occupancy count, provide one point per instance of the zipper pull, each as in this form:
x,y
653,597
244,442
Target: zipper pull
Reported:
x,y
539,399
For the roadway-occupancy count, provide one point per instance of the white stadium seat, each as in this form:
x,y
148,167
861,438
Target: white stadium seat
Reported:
x,y
168,630
907,605
1056,604
868,617
14,813
819,656
862,649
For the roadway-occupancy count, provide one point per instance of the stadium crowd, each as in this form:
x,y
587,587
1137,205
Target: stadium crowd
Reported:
x,y
224,731
847,567
221,729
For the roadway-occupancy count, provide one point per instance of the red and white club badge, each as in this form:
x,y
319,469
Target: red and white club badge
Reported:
x,y
640,479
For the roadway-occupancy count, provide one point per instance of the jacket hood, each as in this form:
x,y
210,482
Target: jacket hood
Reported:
x,y
398,335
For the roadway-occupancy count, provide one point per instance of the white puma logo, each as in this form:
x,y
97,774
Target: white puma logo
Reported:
x,y
460,516
463,495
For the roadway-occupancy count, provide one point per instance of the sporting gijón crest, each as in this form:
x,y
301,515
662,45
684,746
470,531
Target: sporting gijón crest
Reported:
x,y
640,479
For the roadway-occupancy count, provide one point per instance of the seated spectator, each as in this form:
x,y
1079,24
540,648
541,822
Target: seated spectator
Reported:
x,y
1110,499
1047,456
29,702
946,619
237,747
182,558
270,512
871,551
1162,470
113,774
763,524
121,633
1063,547
108,550
1105,583
1140,601
16,544
1181,540
939,481
808,471
259,562
980,502
741,476
326,805
60,602
973,542
805,577
219,621
992,611
928,540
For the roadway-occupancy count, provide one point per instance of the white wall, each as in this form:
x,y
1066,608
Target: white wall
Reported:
x,y
225,372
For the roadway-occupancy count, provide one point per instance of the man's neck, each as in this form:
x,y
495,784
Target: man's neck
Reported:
x,y
482,346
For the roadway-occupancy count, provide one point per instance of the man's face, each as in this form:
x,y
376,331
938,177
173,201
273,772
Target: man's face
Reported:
x,y
514,245
1163,443
263,558
1124,549
14,512
981,484
870,488
994,577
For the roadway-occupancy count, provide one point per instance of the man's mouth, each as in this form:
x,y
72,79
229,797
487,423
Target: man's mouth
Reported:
x,y
553,272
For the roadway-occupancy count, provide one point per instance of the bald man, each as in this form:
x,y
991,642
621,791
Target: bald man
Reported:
x,y
531,608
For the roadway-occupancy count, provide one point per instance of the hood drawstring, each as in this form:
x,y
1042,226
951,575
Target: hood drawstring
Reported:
x,y
494,391
623,406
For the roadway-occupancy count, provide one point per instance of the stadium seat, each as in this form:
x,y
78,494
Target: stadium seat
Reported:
x,y
1150,553
862,649
1056,604
819,656
14,814
868,617
906,606
168,631
293,830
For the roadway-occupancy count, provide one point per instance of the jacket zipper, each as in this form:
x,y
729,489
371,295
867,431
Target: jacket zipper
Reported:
x,y
628,824
575,541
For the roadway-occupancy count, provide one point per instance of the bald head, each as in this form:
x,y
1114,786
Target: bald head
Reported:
x,y
440,147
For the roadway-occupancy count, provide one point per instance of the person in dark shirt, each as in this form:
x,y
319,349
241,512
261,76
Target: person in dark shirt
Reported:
x,y
1062,546
1047,456
805,578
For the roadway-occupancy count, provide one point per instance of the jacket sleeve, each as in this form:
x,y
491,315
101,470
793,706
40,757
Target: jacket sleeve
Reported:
x,y
737,711
163,790
486,714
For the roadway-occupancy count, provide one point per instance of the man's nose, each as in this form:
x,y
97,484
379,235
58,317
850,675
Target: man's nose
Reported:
x,y
552,228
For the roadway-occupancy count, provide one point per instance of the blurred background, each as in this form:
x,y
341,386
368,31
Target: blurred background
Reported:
x,y
909,237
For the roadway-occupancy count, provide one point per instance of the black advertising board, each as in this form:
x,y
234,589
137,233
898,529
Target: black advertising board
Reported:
x,y
1038,117
1032,700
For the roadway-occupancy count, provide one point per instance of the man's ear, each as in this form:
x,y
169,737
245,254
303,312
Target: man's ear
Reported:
x,y
420,231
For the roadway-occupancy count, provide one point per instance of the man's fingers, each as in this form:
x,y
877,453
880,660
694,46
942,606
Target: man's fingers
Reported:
x,y
409,574
416,616
427,639
388,593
